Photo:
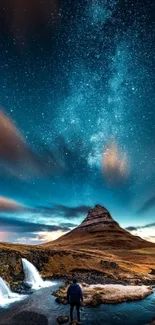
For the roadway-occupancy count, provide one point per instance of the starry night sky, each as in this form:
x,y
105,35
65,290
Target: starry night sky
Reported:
x,y
77,120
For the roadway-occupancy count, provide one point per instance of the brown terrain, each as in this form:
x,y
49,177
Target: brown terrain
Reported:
x,y
98,250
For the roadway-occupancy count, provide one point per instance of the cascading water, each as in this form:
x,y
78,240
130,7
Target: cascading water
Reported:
x,y
32,276
4,289
6,295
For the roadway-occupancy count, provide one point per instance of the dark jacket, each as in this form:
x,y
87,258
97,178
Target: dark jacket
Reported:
x,y
74,294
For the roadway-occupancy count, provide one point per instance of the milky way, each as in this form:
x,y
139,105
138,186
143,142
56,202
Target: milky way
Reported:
x,y
74,79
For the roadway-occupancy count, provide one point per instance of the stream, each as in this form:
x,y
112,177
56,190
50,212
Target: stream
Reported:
x,y
40,308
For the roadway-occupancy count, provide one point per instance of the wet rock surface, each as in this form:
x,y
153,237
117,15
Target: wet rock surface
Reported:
x,y
21,288
29,318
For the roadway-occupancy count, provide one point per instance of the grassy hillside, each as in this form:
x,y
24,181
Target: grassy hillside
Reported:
x,y
50,262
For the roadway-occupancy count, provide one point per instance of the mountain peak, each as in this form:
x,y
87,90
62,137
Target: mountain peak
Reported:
x,y
98,209
97,216
99,231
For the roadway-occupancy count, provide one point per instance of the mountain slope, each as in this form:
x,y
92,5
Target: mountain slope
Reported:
x,y
99,230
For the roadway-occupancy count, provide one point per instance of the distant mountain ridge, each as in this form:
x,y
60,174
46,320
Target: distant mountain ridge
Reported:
x,y
99,230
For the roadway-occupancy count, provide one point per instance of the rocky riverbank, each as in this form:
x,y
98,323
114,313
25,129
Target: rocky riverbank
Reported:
x,y
89,278
110,293
95,277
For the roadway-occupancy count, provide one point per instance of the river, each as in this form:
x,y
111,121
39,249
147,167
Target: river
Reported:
x,y
40,308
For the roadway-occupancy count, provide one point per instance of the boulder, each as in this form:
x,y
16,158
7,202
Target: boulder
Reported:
x,y
84,285
26,285
28,318
61,300
152,272
62,319
96,300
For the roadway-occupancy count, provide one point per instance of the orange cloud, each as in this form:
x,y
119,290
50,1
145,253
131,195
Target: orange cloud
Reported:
x,y
10,205
3,236
18,159
115,163
12,144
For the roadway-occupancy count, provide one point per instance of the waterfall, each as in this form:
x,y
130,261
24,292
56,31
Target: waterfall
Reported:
x,y
5,291
32,276
6,295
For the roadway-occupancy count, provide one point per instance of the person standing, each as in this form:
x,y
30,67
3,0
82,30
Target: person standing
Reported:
x,y
74,298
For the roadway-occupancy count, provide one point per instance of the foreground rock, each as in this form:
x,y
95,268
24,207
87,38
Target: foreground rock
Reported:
x,y
110,294
62,319
27,318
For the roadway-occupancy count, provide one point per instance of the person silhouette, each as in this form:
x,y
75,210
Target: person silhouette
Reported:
x,y
74,298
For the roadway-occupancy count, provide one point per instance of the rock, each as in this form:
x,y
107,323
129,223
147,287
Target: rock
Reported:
x,y
26,285
152,272
61,300
22,288
29,318
58,300
110,293
85,284
111,264
96,299
62,319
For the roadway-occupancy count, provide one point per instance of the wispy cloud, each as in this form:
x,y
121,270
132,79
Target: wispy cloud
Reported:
x,y
16,157
24,231
20,223
130,228
66,211
147,206
50,236
147,231
19,160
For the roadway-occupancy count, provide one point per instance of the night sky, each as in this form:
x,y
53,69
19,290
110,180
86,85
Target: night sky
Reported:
x,y
77,119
